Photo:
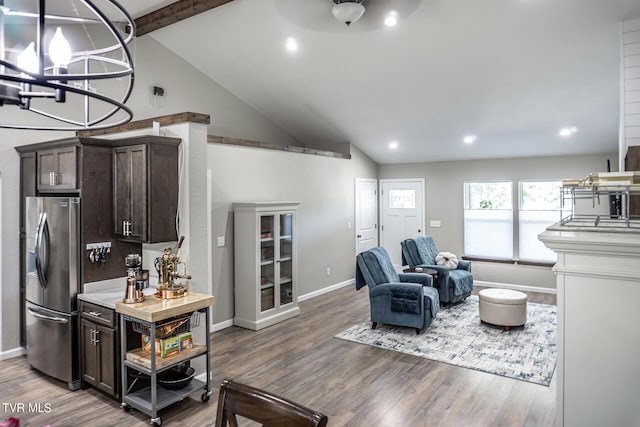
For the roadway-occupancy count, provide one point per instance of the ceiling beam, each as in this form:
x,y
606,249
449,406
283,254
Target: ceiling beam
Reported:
x,y
175,12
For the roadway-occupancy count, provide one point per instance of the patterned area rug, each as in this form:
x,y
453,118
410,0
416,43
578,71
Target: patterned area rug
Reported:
x,y
456,337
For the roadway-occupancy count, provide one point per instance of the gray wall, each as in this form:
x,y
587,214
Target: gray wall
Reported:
x,y
325,186
444,201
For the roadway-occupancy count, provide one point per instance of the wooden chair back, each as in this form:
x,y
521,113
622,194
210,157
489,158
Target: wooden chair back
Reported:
x,y
268,409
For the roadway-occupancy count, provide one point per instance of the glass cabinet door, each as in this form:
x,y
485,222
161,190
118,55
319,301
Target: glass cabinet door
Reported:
x,y
285,240
267,262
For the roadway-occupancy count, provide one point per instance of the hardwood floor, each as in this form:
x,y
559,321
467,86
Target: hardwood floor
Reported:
x,y
355,385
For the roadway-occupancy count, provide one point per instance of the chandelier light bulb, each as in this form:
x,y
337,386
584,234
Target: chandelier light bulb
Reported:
x,y
28,60
59,50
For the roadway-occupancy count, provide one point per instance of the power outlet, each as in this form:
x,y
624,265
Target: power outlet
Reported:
x,y
328,271
220,241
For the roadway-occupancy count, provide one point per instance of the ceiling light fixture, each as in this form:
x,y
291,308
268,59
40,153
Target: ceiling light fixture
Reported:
x,y
393,145
470,139
347,11
40,68
292,44
568,131
391,20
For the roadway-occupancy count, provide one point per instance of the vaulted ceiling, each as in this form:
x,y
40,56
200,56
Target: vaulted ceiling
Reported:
x,y
511,72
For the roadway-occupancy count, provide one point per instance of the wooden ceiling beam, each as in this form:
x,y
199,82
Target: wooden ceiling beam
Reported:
x,y
175,12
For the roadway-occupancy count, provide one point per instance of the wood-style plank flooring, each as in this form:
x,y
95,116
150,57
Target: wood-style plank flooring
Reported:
x,y
355,385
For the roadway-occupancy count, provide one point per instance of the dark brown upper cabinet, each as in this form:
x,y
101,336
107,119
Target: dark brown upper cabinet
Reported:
x,y
145,189
57,169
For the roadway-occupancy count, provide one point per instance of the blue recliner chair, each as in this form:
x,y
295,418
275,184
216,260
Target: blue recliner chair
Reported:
x,y
453,285
405,299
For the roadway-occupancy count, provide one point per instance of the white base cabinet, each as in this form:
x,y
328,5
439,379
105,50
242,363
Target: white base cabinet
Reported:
x,y
265,258
598,374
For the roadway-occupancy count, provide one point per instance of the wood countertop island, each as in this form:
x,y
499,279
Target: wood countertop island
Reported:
x,y
154,309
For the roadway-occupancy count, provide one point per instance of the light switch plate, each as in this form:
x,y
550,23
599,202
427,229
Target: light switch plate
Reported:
x,y
220,241
435,223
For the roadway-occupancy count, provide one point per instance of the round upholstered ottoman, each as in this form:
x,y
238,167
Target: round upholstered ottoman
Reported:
x,y
503,307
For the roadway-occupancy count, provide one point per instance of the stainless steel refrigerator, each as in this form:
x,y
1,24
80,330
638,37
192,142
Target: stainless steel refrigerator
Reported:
x,y
52,284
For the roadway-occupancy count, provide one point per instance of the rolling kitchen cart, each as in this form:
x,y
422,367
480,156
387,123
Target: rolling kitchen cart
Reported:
x,y
155,317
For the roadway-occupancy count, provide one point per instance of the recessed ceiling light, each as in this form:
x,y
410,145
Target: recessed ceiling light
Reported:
x,y
393,145
291,44
568,131
391,20
469,139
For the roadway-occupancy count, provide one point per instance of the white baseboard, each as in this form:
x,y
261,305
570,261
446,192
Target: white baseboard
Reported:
x,y
228,323
221,325
19,351
326,290
516,287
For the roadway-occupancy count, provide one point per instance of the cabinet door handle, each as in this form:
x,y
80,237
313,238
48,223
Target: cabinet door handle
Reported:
x,y
126,228
97,340
93,337
52,178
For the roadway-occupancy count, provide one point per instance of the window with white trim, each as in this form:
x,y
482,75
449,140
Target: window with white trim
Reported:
x,y
488,219
539,203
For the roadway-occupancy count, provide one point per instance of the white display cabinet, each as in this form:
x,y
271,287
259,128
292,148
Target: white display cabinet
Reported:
x,y
265,258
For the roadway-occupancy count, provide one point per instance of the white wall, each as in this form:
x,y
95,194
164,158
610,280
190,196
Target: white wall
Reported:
x,y
444,201
630,86
325,186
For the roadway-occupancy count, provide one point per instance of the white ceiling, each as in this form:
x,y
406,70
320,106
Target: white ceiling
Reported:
x,y
513,72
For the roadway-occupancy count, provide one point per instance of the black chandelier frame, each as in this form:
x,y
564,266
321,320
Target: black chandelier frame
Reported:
x,y
59,81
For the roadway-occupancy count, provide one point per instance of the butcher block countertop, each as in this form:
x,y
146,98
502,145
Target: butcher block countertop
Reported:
x,y
154,309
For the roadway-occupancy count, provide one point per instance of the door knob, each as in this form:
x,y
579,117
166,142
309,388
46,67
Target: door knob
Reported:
x,y
419,231
359,236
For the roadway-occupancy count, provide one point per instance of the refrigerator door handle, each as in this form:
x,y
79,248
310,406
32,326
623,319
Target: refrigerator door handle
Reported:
x,y
48,318
42,254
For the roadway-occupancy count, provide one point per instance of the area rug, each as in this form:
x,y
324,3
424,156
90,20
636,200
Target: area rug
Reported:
x,y
457,337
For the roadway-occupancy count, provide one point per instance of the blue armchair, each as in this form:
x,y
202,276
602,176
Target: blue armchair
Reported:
x,y
405,299
453,285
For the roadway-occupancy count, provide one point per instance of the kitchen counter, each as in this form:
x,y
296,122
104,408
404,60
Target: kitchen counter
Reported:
x,y
154,309
106,293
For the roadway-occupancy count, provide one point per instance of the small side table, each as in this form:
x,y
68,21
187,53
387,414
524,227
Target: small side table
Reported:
x,y
432,272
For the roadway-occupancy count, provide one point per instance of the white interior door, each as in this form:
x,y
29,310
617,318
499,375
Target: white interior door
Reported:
x,y
366,214
402,207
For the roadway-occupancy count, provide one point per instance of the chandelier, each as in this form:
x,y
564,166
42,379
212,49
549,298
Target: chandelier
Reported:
x,y
65,64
